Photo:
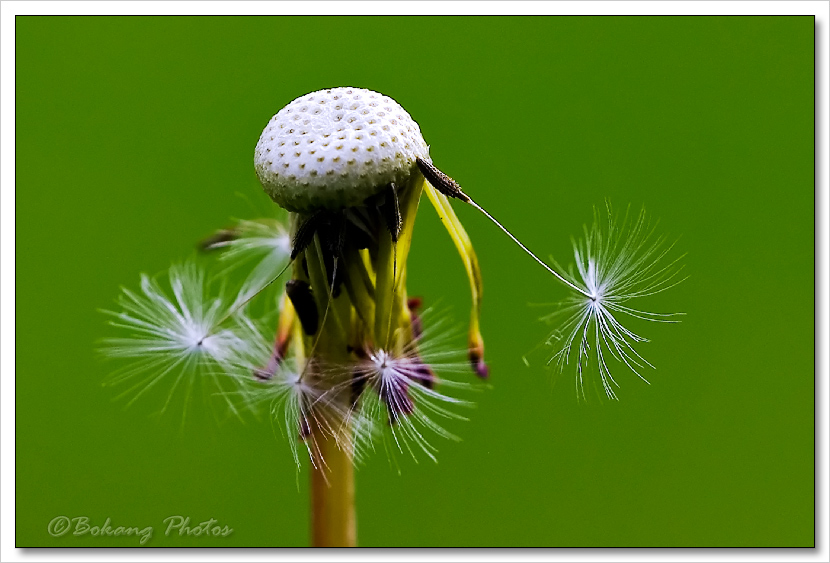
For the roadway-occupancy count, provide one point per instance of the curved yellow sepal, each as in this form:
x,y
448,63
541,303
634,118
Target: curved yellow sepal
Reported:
x,y
468,256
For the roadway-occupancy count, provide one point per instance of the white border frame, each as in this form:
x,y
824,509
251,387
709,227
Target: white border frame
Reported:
x,y
8,11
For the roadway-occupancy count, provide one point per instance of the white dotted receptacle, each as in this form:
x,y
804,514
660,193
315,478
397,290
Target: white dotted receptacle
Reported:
x,y
334,148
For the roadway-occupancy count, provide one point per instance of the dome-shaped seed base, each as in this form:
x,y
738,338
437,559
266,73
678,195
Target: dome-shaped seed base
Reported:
x,y
334,148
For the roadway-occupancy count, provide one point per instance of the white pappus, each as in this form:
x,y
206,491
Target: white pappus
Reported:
x,y
615,264
188,340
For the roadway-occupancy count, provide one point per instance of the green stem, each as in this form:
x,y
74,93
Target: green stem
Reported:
x,y
333,522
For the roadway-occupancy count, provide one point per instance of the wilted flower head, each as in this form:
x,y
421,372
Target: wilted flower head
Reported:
x,y
348,164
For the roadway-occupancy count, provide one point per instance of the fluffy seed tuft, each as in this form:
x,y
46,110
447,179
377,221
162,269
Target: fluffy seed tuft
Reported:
x,y
178,339
615,264
396,400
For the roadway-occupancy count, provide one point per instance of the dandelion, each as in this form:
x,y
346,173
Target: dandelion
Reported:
x,y
345,163
351,363
614,265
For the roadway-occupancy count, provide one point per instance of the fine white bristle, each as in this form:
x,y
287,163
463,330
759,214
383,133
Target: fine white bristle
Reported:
x,y
176,337
297,402
263,246
404,400
615,264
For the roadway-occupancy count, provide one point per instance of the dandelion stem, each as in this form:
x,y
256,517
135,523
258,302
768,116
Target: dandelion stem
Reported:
x,y
333,522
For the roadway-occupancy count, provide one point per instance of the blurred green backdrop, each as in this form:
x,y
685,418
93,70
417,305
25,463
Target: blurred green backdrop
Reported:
x,y
135,138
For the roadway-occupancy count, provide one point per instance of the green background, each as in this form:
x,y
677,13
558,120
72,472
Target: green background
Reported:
x,y
135,138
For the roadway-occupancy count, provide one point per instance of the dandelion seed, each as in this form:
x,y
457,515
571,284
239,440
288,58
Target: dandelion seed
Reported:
x,y
300,406
397,392
404,399
612,270
614,265
176,339
264,241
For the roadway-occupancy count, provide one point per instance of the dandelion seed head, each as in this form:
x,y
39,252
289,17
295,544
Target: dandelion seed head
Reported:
x,y
336,147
